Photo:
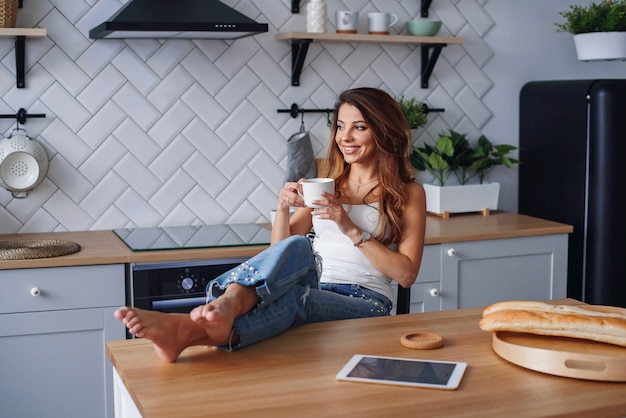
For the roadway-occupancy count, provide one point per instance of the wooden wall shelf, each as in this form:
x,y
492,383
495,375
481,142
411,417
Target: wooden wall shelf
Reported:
x,y
300,42
20,35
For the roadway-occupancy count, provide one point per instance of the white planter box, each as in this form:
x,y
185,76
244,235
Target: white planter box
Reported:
x,y
460,199
600,46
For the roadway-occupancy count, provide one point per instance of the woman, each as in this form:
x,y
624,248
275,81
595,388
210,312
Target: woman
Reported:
x,y
369,233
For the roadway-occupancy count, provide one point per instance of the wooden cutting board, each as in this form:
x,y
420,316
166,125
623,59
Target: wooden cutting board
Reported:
x,y
561,356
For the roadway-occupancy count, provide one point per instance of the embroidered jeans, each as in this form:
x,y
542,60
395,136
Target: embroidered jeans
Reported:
x,y
286,279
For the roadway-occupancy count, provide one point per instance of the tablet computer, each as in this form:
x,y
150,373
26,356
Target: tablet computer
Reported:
x,y
403,371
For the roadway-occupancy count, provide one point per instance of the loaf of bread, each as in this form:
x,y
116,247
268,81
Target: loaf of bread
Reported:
x,y
597,323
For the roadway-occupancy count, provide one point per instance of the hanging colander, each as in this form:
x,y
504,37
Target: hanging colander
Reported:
x,y
23,163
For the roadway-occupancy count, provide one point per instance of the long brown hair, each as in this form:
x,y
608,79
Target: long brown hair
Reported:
x,y
391,134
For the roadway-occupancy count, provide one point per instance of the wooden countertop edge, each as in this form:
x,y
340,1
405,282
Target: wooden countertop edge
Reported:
x,y
105,247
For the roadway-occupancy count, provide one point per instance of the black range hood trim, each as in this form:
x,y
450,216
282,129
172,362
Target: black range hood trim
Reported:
x,y
210,19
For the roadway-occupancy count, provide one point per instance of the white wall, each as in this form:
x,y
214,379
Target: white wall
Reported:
x,y
527,48
179,132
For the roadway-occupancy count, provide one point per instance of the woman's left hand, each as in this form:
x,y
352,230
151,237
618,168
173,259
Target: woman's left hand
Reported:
x,y
334,211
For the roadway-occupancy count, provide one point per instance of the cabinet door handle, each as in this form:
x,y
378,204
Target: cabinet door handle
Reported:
x,y
35,291
434,292
451,252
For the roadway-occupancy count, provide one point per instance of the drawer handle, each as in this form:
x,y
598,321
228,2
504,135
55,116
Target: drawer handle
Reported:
x,y
434,292
35,291
451,252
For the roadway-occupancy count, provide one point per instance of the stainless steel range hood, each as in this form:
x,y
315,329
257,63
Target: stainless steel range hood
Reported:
x,y
195,19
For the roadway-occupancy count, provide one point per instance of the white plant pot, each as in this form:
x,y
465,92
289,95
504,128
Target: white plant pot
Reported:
x,y
600,46
461,199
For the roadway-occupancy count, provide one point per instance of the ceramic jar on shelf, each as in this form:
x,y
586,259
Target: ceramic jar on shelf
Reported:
x,y
316,16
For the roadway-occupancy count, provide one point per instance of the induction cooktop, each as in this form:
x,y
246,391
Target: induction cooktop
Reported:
x,y
203,236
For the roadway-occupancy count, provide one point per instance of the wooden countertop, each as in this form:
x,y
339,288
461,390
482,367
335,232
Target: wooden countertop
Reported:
x,y
293,374
104,247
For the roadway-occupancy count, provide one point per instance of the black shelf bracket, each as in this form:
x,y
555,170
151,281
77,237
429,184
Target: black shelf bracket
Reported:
x,y
20,57
425,7
429,60
295,6
299,49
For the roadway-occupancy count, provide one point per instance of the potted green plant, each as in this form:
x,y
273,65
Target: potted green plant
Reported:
x,y
414,111
453,154
599,29
486,156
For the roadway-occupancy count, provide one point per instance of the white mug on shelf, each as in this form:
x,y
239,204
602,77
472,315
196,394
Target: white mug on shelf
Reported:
x,y
379,23
346,21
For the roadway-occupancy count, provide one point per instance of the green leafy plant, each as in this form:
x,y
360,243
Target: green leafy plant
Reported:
x,y
604,16
434,159
414,111
487,156
453,154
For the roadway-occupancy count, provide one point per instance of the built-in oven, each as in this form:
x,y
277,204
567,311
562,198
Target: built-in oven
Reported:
x,y
179,286
174,286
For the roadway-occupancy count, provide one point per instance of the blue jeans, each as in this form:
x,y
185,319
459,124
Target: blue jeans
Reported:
x,y
286,278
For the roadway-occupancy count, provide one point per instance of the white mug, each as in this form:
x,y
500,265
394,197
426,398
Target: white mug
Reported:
x,y
379,23
346,21
312,190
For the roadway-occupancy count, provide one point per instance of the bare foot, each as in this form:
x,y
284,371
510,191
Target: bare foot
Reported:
x,y
218,316
170,333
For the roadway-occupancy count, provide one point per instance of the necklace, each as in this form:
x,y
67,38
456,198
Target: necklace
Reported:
x,y
358,186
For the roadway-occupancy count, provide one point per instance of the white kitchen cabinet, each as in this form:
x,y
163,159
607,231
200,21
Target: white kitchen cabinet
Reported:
x,y
54,323
478,273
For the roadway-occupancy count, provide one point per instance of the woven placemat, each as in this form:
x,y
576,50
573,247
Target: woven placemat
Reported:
x,y
25,249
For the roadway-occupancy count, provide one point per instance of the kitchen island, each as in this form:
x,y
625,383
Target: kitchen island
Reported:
x,y
293,374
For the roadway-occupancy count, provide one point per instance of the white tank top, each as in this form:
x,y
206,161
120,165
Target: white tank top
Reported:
x,y
344,263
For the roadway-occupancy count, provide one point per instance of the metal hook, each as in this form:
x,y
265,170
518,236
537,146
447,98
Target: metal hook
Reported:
x,y
302,128
329,123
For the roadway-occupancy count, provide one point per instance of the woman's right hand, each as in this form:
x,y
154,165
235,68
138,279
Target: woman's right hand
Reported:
x,y
289,195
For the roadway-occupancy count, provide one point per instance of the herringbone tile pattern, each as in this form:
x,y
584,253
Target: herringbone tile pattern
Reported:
x,y
179,132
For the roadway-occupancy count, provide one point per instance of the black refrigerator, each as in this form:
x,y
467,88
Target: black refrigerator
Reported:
x,y
573,153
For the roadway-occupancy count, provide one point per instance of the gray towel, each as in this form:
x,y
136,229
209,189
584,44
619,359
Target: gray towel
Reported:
x,y
300,157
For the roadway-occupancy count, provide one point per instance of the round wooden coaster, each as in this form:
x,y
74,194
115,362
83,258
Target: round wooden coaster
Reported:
x,y
422,340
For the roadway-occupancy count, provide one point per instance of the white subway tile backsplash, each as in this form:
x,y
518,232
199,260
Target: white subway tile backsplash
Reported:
x,y
65,71
65,106
64,34
67,213
169,90
139,143
143,132
98,93
169,162
102,160
168,56
205,206
137,209
104,195
137,176
204,140
173,191
97,130
204,72
205,175
66,142
237,89
170,124
136,106
69,179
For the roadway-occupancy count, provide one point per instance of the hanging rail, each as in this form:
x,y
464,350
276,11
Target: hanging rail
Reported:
x,y
21,116
294,110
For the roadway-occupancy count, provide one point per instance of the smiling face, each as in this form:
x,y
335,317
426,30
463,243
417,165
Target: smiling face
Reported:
x,y
354,136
